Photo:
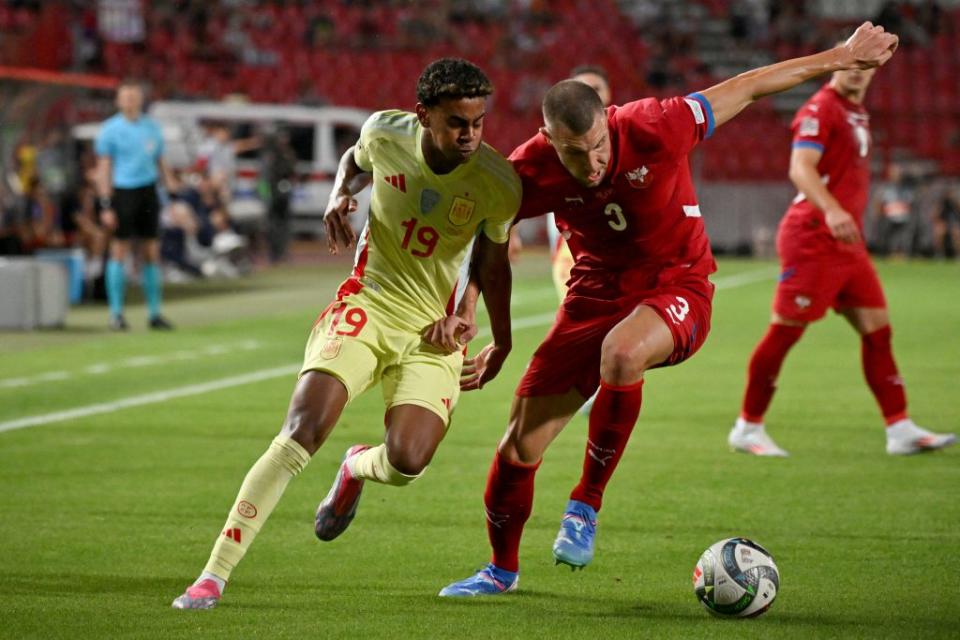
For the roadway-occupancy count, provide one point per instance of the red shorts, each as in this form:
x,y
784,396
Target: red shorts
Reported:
x,y
811,284
569,357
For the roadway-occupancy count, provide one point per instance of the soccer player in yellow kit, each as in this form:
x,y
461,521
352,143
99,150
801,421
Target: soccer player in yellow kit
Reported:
x,y
436,187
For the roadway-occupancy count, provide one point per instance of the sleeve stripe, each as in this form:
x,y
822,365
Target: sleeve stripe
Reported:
x,y
809,144
702,99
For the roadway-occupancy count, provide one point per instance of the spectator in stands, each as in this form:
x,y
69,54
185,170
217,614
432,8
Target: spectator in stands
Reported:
x,y
42,217
81,227
946,221
279,170
895,208
11,227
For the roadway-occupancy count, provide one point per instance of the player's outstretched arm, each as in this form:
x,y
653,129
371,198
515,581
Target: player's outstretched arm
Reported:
x,y
350,180
870,46
493,274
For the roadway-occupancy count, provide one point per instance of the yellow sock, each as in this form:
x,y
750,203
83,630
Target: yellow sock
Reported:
x,y
259,494
373,465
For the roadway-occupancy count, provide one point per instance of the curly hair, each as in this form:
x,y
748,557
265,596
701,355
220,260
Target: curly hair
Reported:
x,y
451,78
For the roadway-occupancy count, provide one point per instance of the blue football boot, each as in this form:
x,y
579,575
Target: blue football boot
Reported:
x,y
578,528
489,581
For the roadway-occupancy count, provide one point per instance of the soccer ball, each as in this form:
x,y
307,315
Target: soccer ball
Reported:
x,y
736,578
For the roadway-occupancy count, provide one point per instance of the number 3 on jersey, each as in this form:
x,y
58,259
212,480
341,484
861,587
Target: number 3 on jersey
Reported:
x,y
678,312
426,240
619,223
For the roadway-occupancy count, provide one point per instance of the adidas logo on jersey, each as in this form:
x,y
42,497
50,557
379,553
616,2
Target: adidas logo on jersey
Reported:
x,y
398,181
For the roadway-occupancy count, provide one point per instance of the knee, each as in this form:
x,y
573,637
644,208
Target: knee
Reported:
x,y
309,428
410,462
519,449
623,362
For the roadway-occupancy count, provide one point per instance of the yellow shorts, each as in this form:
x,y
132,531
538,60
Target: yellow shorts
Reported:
x,y
355,341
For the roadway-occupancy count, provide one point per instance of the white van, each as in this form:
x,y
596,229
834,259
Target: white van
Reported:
x,y
318,135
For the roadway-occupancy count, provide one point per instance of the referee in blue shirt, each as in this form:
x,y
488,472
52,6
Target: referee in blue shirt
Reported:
x,y
129,151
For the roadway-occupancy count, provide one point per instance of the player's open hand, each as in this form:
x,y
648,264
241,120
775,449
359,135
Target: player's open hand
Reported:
x,y
450,334
335,219
483,367
842,226
870,46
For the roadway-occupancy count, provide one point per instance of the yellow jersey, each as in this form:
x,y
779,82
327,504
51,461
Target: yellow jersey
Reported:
x,y
422,225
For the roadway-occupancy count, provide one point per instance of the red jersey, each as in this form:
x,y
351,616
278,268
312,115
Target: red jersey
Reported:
x,y
641,227
840,129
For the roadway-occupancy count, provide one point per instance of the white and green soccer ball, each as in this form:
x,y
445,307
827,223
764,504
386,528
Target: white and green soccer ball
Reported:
x,y
736,578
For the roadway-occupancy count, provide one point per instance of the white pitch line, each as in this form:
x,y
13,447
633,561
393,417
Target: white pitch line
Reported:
x,y
524,322
100,368
149,398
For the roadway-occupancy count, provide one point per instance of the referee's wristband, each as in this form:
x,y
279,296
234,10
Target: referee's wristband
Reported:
x,y
105,203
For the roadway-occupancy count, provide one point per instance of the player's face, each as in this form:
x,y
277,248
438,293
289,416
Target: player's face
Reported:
x,y
585,156
130,100
598,84
853,81
455,127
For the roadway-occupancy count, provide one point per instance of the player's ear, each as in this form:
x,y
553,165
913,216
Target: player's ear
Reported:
x,y
423,115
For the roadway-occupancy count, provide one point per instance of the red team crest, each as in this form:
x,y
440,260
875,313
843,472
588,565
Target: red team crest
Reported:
x,y
639,177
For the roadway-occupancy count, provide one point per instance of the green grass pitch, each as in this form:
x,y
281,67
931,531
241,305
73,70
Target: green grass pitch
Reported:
x,y
107,514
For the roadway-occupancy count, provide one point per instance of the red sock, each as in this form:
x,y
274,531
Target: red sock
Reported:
x,y
881,373
508,501
764,368
612,418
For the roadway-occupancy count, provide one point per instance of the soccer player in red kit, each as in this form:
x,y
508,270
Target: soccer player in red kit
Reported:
x,y
619,183
825,264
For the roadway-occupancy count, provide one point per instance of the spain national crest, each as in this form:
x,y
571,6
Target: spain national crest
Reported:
x,y
331,348
461,211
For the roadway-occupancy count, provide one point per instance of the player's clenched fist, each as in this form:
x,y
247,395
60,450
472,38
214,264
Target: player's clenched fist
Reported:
x,y
870,46
336,221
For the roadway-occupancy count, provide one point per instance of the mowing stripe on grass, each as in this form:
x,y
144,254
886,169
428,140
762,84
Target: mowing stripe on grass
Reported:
x,y
525,322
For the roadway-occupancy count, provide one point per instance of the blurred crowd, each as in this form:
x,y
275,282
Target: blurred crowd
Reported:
x,y
48,202
914,213
47,197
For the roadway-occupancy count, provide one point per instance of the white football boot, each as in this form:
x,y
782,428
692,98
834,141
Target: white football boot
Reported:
x,y
904,438
751,437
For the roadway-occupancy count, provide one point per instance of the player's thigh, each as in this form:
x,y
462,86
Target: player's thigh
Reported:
x,y
424,376
861,299
807,288
345,343
534,423
685,310
637,343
